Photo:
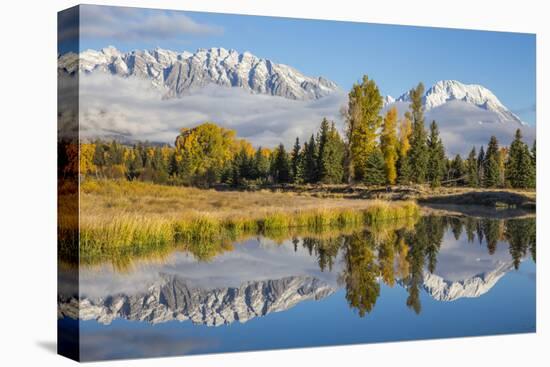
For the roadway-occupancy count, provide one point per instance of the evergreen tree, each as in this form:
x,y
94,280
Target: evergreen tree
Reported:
x,y
492,175
502,158
481,167
99,154
261,165
436,154
296,163
363,121
519,166
534,153
280,169
173,165
534,158
389,145
322,137
418,154
375,169
491,168
136,165
471,169
331,154
458,170
241,167
310,161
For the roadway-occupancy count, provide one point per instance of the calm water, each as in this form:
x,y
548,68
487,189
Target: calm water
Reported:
x,y
439,277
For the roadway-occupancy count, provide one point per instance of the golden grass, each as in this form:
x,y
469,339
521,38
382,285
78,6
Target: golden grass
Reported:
x,y
121,218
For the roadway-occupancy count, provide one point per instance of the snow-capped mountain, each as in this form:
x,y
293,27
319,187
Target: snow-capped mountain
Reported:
x,y
388,100
173,299
445,290
446,91
177,73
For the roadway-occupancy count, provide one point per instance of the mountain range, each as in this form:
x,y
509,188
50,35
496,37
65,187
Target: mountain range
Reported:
x,y
171,298
178,73
151,94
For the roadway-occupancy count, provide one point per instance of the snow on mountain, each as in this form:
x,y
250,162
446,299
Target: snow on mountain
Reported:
x,y
174,299
451,90
178,73
388,100
445,290
467,115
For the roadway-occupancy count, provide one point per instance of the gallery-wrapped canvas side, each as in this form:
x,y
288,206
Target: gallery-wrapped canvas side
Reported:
x,y
67,188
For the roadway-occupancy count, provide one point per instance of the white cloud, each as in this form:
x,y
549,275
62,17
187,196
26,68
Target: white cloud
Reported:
x,y
133,108
463,126
134,24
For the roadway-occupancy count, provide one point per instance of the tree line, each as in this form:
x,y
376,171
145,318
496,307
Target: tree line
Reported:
x,y
375,149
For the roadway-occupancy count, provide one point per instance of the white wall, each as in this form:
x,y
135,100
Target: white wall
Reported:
x,y
28,186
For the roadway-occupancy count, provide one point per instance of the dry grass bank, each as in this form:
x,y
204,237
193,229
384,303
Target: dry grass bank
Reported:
x,y
135,217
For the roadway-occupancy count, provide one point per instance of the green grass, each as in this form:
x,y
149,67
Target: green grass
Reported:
x,y
205,236
123,220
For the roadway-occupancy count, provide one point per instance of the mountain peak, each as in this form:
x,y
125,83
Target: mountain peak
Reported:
x,y
176,73
445,91
388,100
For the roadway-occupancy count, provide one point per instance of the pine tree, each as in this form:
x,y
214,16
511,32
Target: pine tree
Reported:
x,y
173,165
418,154
534,153
136,165
310,161
99,154
389,145
331,155
458,170
472,174
519,166
296,163
362,124
436,157
280,169
534,158
322,135
481,167
374,169
502,157
241,167
492,175
491,164
261,165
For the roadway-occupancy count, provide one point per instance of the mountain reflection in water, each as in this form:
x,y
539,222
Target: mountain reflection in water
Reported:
x,y
447,257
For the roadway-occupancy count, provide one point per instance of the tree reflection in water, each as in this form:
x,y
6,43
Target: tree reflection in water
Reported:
x,y
402,254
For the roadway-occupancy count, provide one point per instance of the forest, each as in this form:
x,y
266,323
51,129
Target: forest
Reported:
x,y
375,149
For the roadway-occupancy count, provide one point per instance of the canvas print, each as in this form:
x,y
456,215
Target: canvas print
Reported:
x,y
235,183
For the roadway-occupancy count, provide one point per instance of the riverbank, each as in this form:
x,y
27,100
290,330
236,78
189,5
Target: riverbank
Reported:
x,y
118,217
496,198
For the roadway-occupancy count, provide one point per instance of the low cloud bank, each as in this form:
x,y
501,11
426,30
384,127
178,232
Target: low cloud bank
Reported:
x,y
132,109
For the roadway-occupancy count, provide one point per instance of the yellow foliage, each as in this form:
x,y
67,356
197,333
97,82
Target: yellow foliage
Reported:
x,y
405,131
244,144
363,122
266,152
205,147
87,152
388,142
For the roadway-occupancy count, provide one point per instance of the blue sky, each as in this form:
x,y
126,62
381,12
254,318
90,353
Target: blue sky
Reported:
x,y
397,57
